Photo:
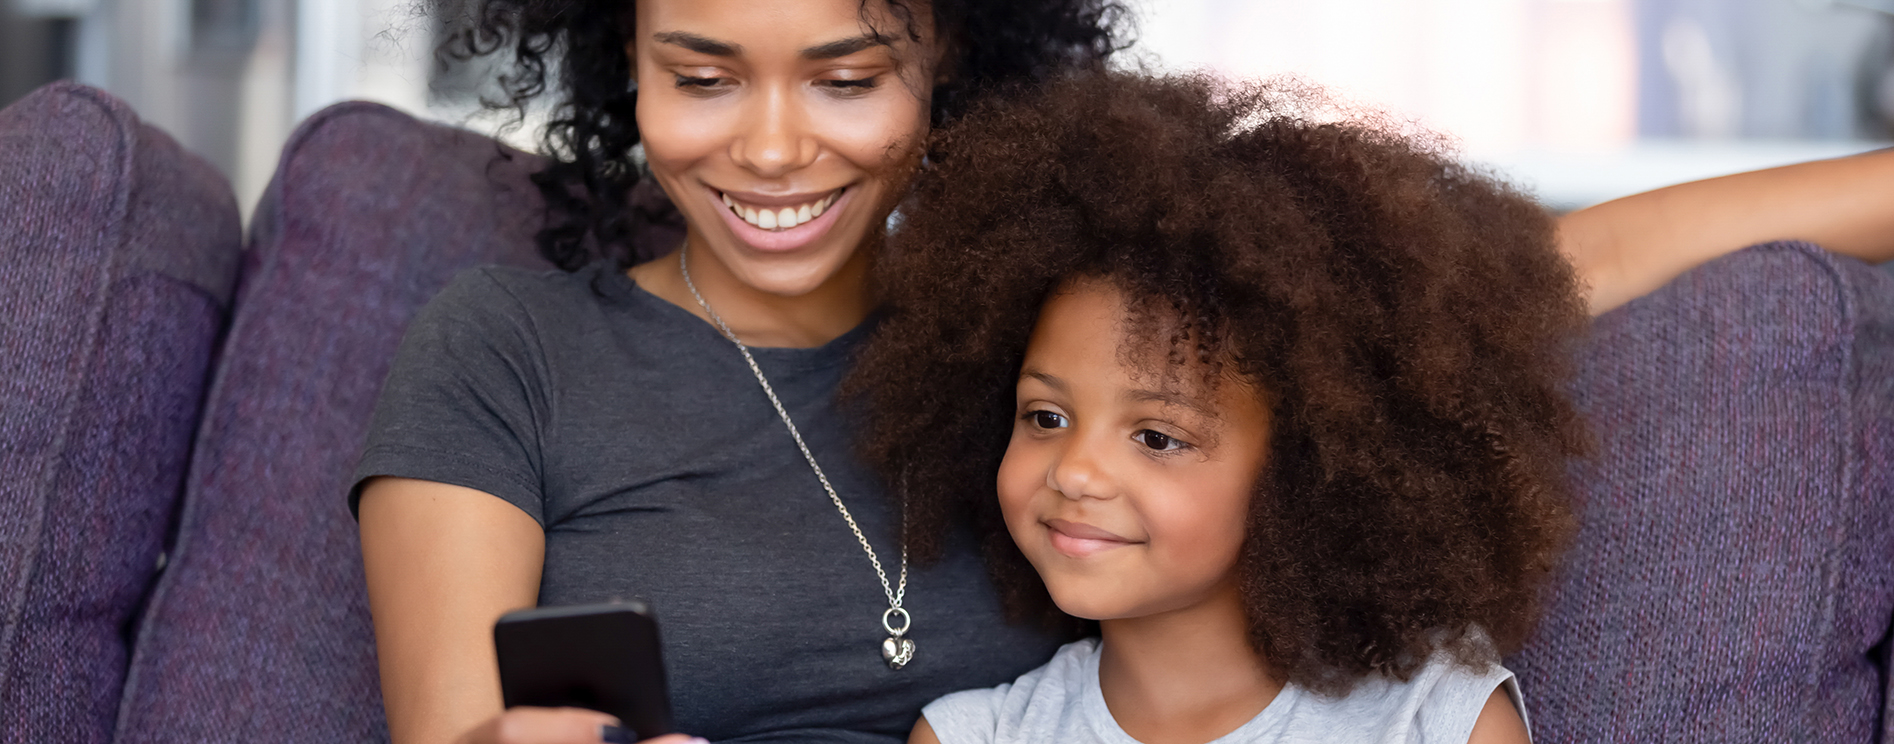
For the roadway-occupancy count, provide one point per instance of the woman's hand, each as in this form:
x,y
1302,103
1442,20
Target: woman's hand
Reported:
x,y
525,725
1629,247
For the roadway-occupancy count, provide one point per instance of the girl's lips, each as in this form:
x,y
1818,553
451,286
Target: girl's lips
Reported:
x,y
781,241
1078,540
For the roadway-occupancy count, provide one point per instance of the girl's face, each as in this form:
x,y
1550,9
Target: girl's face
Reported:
x,y
785,130
1127,488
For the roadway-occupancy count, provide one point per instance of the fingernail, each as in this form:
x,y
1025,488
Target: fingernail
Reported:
x,y
613,734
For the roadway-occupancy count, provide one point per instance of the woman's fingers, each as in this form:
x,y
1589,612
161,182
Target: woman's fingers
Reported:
x,y
524,725
674,739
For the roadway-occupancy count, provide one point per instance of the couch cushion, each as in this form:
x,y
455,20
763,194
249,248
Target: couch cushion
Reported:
x,y
259,629
1732,573
118,250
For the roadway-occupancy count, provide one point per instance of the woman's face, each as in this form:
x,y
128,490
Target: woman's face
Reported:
x,y
785,130
1127,490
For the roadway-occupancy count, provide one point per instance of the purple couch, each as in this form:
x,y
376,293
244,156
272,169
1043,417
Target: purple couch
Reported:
x,y
1733,577
1731,580
117,254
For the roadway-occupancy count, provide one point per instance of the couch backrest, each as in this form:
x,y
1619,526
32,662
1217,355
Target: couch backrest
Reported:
x,y
118,251
259,628
1734,569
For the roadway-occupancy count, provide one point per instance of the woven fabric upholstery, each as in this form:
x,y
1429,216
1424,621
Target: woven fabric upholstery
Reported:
x,y
1731,576
259,629
118,250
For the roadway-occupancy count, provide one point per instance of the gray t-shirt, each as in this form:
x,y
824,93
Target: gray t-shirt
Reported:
x,y
636,435
1061,702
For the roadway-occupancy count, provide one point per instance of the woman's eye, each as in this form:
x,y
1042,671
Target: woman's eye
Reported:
x,y
1159,441
686,81
856,86
1045,419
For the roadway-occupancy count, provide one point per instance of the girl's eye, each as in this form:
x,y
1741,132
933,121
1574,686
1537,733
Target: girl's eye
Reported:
x,y
1045,419
1159,441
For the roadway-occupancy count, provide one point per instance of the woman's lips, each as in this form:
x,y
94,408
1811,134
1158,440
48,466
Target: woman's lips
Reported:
x,y
1078,540
780,241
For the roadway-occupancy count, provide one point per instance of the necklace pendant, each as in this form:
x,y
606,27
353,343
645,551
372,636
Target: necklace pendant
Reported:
x,y
897,651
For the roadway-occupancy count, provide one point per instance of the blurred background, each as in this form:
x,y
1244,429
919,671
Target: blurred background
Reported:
x,y
1579,100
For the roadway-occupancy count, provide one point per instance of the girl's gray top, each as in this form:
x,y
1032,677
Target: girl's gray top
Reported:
x,y
636,435
1061,702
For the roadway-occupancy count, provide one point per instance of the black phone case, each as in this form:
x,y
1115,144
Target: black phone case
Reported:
x,y
603,657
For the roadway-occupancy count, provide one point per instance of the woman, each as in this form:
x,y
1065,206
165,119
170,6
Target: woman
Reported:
x,y
570,438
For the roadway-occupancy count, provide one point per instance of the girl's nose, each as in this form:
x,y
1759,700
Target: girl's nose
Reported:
x,y
774,140
1080,472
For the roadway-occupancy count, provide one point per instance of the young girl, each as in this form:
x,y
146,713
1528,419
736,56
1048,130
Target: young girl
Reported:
x,y
1275,399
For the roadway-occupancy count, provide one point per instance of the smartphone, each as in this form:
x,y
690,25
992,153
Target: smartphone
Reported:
x,y
604,657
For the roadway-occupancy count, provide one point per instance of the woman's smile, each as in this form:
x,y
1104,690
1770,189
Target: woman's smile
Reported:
x,y
774,224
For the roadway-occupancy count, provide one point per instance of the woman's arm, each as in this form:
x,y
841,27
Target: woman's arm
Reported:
x,y
443,563
1626,248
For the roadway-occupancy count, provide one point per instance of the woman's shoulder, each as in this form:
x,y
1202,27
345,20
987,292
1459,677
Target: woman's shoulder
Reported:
x,y
484,301
499,288
1038,701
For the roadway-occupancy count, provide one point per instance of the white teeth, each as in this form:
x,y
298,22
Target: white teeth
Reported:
x,y
784,218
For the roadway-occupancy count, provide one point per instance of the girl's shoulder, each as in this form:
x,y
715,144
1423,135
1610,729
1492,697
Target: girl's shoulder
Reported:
x,y
1437,705
1042,701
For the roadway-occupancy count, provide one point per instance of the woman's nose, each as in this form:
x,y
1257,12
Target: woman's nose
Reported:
x,y
774,140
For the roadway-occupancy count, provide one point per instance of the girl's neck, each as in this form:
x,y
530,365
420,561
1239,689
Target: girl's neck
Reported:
x,y
759,318
1187,676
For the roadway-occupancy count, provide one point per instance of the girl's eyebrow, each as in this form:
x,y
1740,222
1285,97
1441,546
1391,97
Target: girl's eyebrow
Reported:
x,y
1169,398
1049,380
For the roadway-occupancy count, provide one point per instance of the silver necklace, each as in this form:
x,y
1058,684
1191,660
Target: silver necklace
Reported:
x,y
896,649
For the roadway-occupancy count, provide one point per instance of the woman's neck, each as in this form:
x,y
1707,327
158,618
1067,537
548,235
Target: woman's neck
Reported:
x,y
1187,676
760,318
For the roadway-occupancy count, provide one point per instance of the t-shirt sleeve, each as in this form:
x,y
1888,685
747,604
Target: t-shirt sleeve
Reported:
x,y
1455,699
966,717
465,399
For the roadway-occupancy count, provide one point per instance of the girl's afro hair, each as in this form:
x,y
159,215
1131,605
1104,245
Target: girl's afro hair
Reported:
x,y
1408,319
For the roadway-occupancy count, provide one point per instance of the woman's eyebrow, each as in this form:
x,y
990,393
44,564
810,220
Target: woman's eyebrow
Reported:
x,y
831,50
844,47
699,44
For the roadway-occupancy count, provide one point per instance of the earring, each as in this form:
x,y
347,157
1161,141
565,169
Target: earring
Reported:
x,y
632,87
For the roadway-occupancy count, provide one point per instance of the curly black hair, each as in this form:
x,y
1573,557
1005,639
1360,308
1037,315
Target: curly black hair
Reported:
x,y
1408,320
597,197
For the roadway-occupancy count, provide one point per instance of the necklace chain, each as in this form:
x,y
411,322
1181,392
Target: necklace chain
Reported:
x,y
895,593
